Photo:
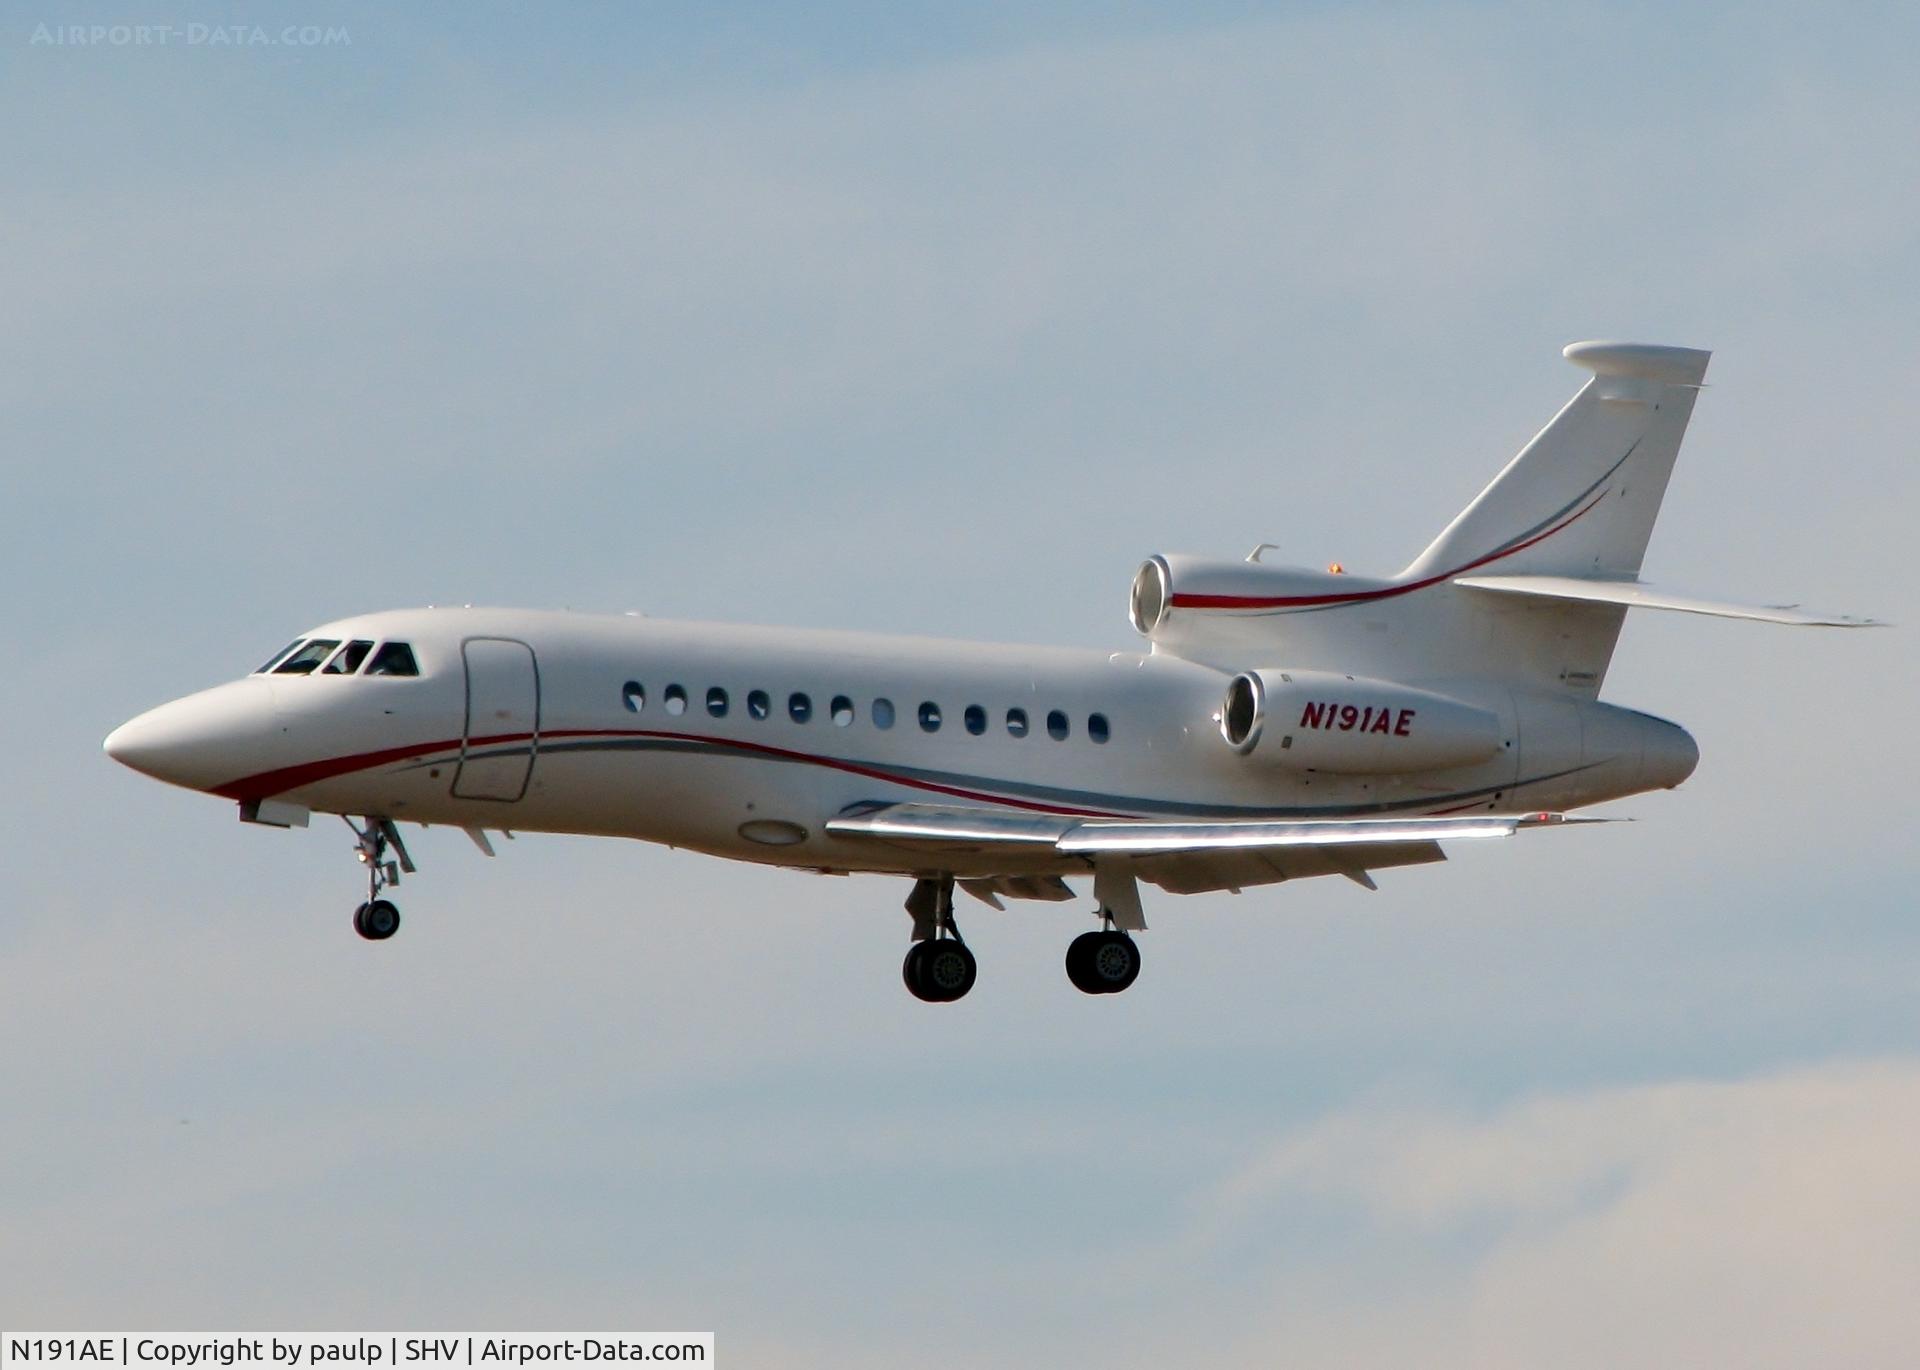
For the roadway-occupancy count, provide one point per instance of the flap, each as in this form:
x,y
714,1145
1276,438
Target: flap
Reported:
x,y
1200,872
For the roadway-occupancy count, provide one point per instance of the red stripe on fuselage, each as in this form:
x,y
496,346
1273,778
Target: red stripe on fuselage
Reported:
x,y
287,778
268,783
1180,601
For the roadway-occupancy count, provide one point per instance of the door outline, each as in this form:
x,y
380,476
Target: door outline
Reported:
x,y
466,727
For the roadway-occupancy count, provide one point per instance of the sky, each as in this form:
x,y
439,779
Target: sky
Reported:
x,y
874,316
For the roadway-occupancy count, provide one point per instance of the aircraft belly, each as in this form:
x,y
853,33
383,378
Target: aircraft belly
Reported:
x,y
737,806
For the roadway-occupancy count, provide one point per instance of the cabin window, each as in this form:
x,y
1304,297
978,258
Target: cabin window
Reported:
x,y
676,698
976,719
929,717
279,656
1017,722
634,695
758,705
347,660
799,707
303,661
882,714
394,658
1057,725
1097,728
841,711
716,701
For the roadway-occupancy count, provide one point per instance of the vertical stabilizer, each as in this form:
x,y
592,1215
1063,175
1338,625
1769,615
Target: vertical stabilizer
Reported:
x,y
1580,499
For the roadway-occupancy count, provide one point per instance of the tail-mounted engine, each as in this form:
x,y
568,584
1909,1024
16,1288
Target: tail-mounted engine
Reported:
x,y
1321,721
1183,601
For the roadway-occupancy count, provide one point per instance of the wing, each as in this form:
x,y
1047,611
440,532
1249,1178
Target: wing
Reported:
x,y
1182,857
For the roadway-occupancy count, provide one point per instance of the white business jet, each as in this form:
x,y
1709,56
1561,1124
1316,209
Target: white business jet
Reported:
x,y
1278,723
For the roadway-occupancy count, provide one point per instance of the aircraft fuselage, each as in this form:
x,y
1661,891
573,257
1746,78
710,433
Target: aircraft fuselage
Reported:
x,y
740,741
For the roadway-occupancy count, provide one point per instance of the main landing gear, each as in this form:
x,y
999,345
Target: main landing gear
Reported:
x,y
1107,961
1103,962
378,919
939,969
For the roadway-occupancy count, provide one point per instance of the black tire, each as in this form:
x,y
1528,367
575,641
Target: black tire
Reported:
x,y
947,970
1080,963
938,972
1102,962
377,921
910,970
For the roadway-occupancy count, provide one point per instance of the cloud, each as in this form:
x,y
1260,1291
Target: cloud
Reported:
x,y
1765,1222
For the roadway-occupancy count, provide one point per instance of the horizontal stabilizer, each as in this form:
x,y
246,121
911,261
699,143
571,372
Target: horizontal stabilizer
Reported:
x,y
1638,594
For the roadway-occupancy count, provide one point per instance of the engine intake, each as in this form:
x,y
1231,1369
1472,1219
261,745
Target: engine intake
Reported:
x,y
1152,596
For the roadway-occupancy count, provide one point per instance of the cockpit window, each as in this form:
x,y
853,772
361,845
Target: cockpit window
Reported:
x,y
347,660
393,658
279,656
303,661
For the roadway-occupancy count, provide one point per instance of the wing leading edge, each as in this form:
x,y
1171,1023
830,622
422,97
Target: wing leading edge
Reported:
x,y
1183,857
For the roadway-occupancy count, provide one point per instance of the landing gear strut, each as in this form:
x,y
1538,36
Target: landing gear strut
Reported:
x,y
378,919
938,968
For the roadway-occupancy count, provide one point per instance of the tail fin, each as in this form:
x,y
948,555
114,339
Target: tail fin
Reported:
x,y
1580,499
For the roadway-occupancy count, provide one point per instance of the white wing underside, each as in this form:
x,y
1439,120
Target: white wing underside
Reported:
x,y
1180,857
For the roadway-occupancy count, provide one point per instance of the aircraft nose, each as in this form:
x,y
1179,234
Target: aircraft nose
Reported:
x,y
1668,756
200,741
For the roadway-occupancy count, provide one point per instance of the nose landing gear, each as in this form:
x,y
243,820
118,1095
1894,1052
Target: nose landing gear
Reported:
x,y
378,919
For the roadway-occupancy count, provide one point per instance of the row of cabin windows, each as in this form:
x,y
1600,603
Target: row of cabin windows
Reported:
x,y
329,656
841,710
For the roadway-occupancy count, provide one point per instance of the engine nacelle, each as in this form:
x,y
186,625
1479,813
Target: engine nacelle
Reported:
x,y
1185,602
1350,725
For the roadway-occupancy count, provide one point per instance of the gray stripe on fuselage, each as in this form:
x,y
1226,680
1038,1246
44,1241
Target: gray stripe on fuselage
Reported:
x,y
1077,799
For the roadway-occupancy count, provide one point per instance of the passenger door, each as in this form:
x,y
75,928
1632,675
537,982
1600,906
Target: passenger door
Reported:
x,y
502,730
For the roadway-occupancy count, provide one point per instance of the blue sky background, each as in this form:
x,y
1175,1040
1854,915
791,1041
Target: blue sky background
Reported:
x,y
940,322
